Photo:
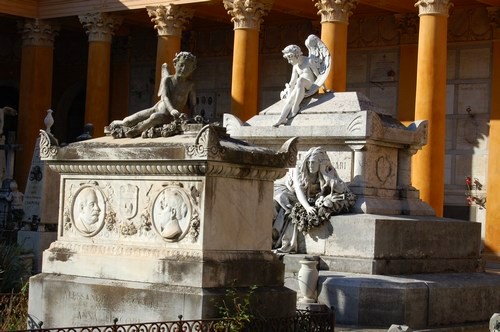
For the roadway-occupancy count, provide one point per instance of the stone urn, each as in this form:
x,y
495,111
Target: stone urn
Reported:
x,y
308,280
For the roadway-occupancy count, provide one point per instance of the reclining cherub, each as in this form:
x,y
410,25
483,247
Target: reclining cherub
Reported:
x,y
175,91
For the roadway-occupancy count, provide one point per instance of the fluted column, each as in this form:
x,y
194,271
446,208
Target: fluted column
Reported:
x,y
334,20
492,234
100,28
169,21
247,17
430,102
408,50
35,90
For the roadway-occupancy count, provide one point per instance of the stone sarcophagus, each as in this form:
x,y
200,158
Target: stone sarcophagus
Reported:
x,y
150,229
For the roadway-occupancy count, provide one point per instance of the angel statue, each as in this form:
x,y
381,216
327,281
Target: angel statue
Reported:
x,y
307,197
163,119
308,75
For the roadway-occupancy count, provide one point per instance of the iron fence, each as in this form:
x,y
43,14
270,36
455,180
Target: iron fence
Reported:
x,y
302,321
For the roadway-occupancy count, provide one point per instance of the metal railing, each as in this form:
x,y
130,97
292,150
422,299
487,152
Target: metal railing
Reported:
x,y
302,321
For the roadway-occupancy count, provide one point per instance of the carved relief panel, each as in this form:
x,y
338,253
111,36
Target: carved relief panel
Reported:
x,y
131,210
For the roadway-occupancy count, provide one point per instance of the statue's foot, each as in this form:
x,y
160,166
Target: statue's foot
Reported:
x,y
116,123
279,123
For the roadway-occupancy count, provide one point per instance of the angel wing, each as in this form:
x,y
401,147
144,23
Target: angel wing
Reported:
x,y
319,56
164,74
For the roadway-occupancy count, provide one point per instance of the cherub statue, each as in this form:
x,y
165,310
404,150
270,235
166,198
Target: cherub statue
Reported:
x,y
307,197
308,75
16,199
175,91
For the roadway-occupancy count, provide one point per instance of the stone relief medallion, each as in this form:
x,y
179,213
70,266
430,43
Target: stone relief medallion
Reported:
x,y
172,212
129,200
88,210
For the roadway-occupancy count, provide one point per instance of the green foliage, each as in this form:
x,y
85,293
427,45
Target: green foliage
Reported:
x,y
14,310
235,310
13,268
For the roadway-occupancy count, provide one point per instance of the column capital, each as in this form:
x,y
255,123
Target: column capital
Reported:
x,y
247,14
169,20
37,32
100,26
335,10
433,7
407,25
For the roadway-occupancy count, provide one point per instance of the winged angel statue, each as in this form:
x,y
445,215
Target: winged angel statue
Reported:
x,y
308,75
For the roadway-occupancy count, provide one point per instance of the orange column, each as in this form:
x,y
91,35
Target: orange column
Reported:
x,y
100,27
430,102
492,234
408,50
35,91
169,21
334,21
245,84
244,90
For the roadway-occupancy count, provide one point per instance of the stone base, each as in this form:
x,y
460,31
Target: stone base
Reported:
x,y
419,301
376,244
184,268
79,301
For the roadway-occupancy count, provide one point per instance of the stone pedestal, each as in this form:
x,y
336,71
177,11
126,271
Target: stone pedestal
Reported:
x,y
172,223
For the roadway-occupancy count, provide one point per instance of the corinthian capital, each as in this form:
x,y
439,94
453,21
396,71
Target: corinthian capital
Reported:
x,y
494,16
100,26
169,20
408,27
247,14
38,33
335,10
433,7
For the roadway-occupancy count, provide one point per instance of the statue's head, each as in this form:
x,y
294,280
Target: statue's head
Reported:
x,y
292,52
185,62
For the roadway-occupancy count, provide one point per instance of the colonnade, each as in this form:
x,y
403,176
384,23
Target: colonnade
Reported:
x,y
422,76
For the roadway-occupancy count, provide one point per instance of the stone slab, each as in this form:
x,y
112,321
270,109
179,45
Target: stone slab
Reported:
x,y
63,301
376,244
419,301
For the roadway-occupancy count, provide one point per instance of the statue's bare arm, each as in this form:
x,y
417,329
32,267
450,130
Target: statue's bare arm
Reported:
x,y
301,196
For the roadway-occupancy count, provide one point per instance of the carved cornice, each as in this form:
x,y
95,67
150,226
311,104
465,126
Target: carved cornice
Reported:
x,y
407,25
100,26
169,20
38,33
247,14
433,7
151,168
335,10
